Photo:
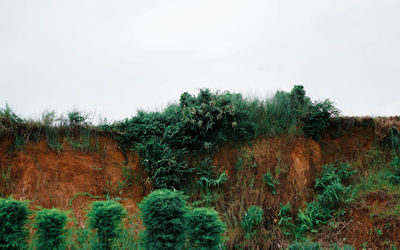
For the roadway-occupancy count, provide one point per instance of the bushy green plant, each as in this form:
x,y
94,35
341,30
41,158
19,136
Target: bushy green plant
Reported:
x,y
317,118
105,217
394,172
285,219
305,246
207,177
77,118
205,229
331,182
275,116
13,217
332,194
164,217
165,166
50,226
201,123
252,219
345,247
269,180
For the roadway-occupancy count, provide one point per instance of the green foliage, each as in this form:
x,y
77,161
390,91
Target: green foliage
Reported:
x,y
76,118
105,217
305,246
269,180
50,226
285,219
393,174
252,219
198,123
332,194
129,237
13,217
164,216
205,229
345,247
165,167
275,116
207,177
317,118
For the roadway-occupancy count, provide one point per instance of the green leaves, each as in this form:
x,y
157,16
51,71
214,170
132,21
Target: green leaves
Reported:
x,y
205,229
50,226
165,166
332,193
317,118
164,216
285,219
105,217
170,224
269,180
251,220
13,216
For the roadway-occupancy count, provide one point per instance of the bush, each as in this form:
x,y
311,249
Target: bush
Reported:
x,y
345,247
251,220
200,123
50,226
164,217
285,220
207,177
317,118
333,193
76,118
393,174
105,217
205,229
13,216
269,180
305,246
165,167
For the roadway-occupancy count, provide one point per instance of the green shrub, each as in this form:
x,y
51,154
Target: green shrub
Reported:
x,y
205,229
165,167
305,246
332,194
317,118
13,217
393,174
200,123
285,220
269,180
105,217
207,177
345,247
275,116
251,220
164,217
76,118
50,226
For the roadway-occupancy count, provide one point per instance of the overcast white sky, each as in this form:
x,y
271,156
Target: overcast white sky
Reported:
x,y
114,57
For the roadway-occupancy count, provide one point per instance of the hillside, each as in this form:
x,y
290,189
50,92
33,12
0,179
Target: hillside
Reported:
x,y
224,152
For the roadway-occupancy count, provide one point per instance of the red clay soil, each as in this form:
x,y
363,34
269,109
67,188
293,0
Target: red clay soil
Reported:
x,y
49,179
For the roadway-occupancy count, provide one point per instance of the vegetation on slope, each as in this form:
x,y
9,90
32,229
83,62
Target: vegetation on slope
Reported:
x,y
175,146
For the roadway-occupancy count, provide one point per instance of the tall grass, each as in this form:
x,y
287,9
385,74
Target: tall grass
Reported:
x,y
76,127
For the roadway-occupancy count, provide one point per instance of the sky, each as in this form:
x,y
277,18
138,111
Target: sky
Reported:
x,y
114,57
